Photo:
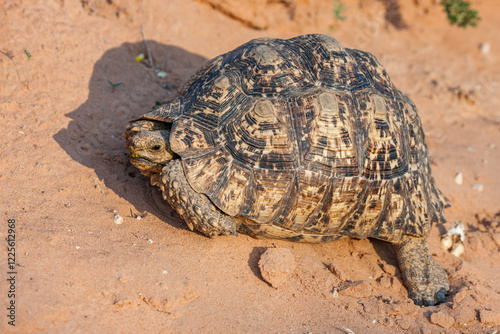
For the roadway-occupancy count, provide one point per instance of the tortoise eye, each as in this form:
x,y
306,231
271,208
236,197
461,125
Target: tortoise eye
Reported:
x,y
156,147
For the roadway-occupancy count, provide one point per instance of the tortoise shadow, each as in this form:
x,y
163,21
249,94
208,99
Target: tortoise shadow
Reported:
x,y
121,89
386,252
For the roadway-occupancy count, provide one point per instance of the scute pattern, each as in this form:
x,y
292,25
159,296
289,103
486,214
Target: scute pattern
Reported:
x,y
259,138
384,146
304,140
328,145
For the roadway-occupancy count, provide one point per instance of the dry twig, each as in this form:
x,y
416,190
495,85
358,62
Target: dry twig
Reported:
x,y
150,57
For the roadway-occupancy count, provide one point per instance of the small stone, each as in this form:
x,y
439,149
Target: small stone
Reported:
x,y
403,308
162,74
125,303
442,319
459,178
478,186
446,242
485,48
458,250
460,295
490,318
424,330
405,323
276,265
335,293
356,289
462,313
122,280
388,269
385,282
118,219
338,272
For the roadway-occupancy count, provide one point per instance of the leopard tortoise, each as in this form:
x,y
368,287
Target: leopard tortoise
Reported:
x,y
302,140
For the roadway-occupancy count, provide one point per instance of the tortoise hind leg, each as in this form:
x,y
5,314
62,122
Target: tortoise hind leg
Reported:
x,y
427,283
196,209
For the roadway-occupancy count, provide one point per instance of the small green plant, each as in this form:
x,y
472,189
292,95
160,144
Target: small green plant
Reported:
x,y
114,85
338,8
28,57
459,13
157,104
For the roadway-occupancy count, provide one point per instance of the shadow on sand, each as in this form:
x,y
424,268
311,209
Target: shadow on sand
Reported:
x,y
93,136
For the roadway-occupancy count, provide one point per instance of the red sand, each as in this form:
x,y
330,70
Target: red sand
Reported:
x,y
65,169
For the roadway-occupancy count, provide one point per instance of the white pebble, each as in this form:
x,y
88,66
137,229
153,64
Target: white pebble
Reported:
x,y
162,74
459,250
335,294
446,242
459,178
478,186
77,247
118,219
485,48
165,272
150,241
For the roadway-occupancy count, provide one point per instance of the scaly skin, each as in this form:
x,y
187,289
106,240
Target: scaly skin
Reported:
x,y
427,283
196,209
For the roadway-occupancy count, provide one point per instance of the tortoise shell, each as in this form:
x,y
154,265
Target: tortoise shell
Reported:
x,y
305,140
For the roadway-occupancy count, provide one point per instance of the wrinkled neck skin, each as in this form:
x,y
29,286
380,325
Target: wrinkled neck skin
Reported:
x,y
148,144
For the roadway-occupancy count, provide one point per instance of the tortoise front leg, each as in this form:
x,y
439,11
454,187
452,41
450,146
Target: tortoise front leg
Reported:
x,y
196,209
427,283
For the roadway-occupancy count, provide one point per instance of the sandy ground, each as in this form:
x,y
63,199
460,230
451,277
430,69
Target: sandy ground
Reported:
x,y
64,170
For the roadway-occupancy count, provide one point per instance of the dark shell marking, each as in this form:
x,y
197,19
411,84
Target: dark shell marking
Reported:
x,y
304,140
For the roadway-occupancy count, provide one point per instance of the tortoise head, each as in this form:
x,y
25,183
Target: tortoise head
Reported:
x,y
148,144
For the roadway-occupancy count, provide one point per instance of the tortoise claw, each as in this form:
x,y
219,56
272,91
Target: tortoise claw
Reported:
x,y
440,296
